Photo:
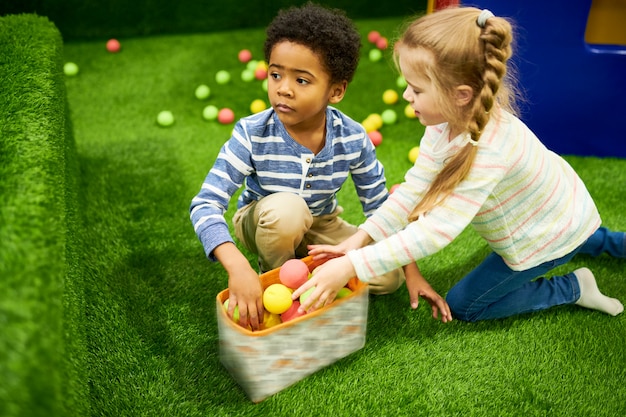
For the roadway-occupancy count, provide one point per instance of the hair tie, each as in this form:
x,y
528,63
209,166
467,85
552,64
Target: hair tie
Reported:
x,y
468,139
482,17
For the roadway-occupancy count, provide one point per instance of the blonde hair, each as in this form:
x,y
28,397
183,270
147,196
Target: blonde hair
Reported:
x,y
460,52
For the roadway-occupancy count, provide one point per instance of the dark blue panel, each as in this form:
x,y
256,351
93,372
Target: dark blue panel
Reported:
x,y
576,93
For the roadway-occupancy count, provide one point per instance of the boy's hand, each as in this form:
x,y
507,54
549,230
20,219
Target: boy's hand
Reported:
x,y
244,286
417,286
246,292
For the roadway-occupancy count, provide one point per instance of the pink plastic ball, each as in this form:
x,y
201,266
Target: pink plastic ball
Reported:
x,y
293,273
376,137
113,45
373,36
382,43
245,56
225,116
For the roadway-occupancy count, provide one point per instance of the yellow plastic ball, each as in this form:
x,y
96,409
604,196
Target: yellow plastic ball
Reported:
x,y
413,153
373,122
409,112
390,97
257,106
369,125
378,120
270,320
277,298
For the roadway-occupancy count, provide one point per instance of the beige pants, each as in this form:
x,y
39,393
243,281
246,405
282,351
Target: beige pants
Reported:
x,y
280,226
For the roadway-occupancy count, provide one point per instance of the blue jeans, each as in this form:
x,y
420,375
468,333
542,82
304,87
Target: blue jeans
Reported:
x,y
493,290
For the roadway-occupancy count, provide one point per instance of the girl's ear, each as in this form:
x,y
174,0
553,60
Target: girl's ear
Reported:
x,y
464,95
337,92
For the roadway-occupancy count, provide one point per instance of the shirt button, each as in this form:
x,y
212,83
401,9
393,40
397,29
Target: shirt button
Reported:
x,y
308,186
308,160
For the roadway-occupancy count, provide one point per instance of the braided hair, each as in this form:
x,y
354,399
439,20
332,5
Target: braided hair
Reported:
x,y
461,52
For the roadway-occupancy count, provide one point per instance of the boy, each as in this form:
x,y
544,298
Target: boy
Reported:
x,y
293,159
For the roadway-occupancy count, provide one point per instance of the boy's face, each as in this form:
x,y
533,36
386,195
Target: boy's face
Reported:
x,y
299,87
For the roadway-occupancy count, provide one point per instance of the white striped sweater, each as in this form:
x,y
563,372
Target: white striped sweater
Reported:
x,y
523,199
263,155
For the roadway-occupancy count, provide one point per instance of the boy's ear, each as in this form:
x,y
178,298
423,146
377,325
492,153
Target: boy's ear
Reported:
x,y
337,91
464,95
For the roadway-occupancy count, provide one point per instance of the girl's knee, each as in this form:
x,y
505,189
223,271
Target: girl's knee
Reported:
x,y
460,307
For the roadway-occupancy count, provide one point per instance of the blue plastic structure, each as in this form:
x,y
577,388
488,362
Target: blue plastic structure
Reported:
x,y
576,92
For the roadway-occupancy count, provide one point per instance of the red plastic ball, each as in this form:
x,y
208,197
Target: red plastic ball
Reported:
x,y
373,36
376,137
113,45
382,43
292,312
245,56
225,116
293,273
260,74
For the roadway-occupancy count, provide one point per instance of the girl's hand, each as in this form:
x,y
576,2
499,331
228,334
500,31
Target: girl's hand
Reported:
x,y
356,241
417,286
327,279
326,251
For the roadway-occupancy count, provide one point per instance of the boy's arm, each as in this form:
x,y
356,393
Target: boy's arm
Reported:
x,y
369,179
221,183
207,216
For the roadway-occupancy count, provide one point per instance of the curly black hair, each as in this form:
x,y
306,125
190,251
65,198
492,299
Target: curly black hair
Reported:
x,y
327,32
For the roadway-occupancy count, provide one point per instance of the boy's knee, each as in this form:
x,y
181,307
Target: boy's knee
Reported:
x,y
387,283
286,211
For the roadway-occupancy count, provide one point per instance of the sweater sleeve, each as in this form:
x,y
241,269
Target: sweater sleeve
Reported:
x,y
231,167
399,242
369,178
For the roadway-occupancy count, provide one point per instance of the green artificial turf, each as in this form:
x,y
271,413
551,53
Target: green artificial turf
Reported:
x,y
42,345
150,293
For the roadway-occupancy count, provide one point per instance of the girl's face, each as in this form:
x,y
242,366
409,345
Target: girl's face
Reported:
x,y
299,87
420,92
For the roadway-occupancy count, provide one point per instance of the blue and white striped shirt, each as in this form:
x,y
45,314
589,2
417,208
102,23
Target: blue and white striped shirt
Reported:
x,y
263,155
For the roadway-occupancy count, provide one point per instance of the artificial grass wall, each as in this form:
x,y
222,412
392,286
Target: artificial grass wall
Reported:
x,y
42,346
91,19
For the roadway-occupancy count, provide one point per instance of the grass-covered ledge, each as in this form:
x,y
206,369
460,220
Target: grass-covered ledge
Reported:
x,y
41,341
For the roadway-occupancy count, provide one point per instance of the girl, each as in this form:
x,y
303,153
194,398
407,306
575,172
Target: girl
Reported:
x,y
479,165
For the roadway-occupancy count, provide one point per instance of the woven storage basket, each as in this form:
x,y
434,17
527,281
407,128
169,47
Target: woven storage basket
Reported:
x,y
267,361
